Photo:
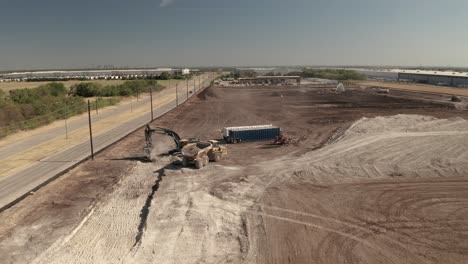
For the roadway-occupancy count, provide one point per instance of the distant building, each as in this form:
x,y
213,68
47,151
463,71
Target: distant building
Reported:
x,y
182,71
85,74
443,78
268,80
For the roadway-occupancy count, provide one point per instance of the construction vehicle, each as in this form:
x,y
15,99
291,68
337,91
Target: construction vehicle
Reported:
x,y
282,140
383,91
200,153
180,143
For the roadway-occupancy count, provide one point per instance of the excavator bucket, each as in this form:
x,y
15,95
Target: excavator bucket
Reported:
x,y
165,142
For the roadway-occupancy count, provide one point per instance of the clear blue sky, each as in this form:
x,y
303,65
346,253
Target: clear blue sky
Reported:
x,y
71,33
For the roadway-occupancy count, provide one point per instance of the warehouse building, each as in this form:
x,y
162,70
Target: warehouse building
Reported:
x,y
271,80
443,78
379,74
87,74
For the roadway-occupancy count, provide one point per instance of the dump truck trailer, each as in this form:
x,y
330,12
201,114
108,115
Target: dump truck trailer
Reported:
x,y
250,133
200,153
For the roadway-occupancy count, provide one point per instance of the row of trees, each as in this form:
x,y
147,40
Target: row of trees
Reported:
x,y
339,75
30,108
162,76
128,88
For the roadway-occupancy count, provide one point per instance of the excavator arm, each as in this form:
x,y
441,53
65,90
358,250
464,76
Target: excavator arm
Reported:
x,y
180,143
163,131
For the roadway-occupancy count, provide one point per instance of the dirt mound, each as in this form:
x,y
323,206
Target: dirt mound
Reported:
x,y
387,190
208,93
403,145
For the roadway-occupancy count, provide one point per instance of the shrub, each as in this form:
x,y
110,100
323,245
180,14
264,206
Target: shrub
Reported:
x,y
85,89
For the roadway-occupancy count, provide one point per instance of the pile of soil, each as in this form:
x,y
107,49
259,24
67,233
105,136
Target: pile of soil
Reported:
x,y
207,93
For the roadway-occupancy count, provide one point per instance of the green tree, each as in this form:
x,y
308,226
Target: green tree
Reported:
x,y
164,76
85,89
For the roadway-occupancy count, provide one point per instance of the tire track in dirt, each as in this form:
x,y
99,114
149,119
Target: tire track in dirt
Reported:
x,y
107,234
409,236
326,229
410,224
146,208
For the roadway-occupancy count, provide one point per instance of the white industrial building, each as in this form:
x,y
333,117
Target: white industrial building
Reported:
x,y
268,80
88,74
182,71
379,74
445,78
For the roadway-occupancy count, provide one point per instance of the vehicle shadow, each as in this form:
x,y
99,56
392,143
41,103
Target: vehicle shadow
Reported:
x,y
137,158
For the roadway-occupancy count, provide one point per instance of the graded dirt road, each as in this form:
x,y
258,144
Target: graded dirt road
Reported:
x,y
388,188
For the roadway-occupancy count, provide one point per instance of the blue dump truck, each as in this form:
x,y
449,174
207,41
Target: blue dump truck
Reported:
x,y
250,133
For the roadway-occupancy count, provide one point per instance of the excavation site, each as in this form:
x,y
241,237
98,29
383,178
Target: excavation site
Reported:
x,y
355,176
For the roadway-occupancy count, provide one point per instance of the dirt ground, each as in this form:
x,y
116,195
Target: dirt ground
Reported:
x,y
369,179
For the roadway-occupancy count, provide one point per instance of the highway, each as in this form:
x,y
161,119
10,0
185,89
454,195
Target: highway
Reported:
x,y
20,183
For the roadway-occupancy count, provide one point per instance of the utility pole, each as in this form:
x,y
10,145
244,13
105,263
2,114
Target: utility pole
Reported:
x,y
66,129
90,130
97,112
187,88
151,99
177,93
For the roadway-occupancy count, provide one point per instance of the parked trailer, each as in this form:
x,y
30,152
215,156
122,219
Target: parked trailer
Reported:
x,y
250,133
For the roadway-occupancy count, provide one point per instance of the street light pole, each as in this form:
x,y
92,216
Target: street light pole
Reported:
x,y
90,130
66,129
177,93
151,99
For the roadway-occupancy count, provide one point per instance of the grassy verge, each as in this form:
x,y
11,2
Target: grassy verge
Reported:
x,y
30,108
78,108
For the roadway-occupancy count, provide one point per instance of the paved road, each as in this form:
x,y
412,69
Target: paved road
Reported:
x,y
16,185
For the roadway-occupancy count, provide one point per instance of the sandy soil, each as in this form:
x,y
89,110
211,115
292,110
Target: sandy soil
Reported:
x,y
350,190
367,198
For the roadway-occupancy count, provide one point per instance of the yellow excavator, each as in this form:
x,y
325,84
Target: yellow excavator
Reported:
x,y
192,151
179,142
